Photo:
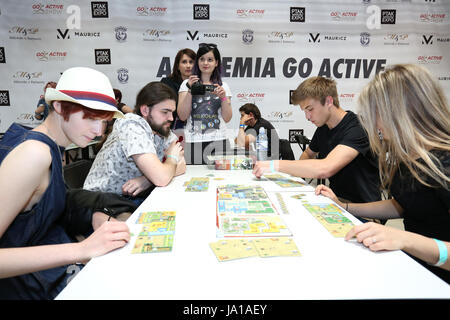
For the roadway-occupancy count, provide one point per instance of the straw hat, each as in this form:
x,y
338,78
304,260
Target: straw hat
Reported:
x,y
87,87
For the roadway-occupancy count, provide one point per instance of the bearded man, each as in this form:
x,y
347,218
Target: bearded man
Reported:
x,y
141,152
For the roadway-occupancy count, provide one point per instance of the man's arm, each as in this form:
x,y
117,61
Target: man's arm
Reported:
x,y
308,167
337,159
161,173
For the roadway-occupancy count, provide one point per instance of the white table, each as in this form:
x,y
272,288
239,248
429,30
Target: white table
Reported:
x,y
329,268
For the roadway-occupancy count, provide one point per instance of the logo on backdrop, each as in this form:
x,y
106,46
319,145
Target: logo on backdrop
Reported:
x,y
297,14
122,75
63,34
388,16
2,55
201,11
121,34
247,36
365,39
314,38
4,98
192,35
99,9
102,56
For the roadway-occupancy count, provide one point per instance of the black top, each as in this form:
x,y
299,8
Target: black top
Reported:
x,y
359,180
177,123
426,209
272,134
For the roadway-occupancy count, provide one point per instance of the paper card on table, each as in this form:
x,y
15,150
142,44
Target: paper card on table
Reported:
x,y
149,244
276,247
226,250
197,185
150,216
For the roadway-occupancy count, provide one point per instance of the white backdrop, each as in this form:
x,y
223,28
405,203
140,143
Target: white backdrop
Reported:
x,y
267,47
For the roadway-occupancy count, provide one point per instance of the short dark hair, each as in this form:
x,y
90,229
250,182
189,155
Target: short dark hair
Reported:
x,y
250,107
153,93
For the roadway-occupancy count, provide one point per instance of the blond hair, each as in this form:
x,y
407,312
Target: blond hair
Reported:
x,y
415,116
318,88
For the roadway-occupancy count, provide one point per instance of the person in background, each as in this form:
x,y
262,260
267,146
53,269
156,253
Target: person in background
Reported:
x,y
120,105
339,142
250,123
141,152
407,118
208,110
37,255
182,69
42,108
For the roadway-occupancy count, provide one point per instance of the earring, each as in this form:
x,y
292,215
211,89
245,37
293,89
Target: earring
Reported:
x,y
380,134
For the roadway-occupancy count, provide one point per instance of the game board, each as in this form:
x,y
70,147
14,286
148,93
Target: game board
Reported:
x,y
239,199
331,217
197,185
157,233
283,181
155,243
248,226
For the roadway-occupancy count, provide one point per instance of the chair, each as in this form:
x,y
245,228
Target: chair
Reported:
x,y
286,152
76,172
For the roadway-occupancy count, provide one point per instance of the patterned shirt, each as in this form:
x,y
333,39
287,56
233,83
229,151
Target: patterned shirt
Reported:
x,y
114,165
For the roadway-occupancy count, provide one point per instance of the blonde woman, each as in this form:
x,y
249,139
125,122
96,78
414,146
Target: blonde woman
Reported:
x,y
407,118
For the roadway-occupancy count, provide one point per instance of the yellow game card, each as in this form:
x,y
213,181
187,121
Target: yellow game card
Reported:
x,y
276,247
231,249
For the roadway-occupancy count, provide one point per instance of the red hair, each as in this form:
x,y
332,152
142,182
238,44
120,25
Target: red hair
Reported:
x,y
67,108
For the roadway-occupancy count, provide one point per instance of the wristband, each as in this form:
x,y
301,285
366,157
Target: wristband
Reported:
x,y
173,157
242,126
272,166
224,99
443,254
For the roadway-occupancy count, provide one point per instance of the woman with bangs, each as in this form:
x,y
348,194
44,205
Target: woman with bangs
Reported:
x,y
206,112
37,256
407,118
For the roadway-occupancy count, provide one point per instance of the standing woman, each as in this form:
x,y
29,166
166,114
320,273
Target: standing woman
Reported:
x,y
182,69
207,113
407,118
37,256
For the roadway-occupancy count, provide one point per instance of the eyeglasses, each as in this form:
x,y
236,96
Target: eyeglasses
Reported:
x,y
207,45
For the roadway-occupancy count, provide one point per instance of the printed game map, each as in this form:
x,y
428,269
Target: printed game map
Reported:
x,y
331,217
247,211
158,229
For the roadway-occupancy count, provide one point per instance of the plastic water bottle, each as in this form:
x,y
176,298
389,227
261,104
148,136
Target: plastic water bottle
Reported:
x,y
262,145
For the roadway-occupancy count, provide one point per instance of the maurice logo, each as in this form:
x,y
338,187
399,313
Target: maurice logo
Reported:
x,y
314,38
63,34
99,9
201,11
4,98
102,56
192,35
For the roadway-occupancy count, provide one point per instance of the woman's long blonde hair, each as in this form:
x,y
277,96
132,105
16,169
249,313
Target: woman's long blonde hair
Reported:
x,y
410,106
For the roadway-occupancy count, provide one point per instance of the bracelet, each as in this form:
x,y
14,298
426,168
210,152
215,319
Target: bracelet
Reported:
x,y
173,157
443,254
272,166
224,99
242,126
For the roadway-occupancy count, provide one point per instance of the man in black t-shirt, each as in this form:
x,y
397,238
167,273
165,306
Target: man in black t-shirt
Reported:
x,y
251,117
339,149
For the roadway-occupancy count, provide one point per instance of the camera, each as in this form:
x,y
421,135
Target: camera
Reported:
x,y
200,89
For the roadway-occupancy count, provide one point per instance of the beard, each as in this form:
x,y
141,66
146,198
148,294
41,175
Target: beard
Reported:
x,y
160,129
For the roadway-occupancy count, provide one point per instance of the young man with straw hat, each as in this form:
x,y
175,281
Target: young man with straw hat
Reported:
x,y
37,256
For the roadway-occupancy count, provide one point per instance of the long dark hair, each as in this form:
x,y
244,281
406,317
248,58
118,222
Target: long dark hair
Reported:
x,y
203,49
153,93
176,75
